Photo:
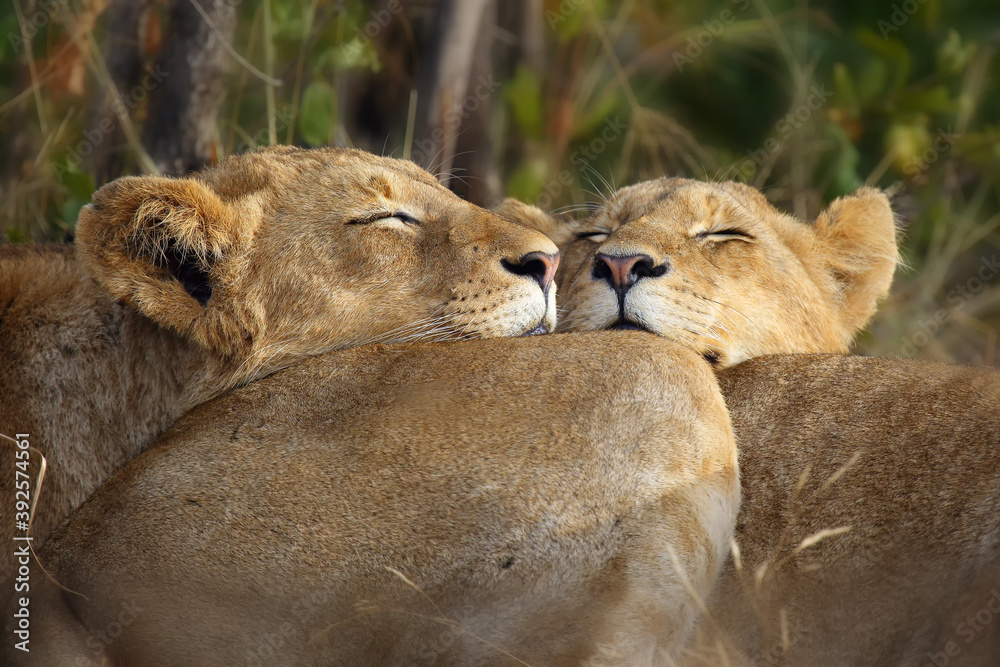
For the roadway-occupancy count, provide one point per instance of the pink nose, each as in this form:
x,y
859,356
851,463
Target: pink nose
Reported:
x,y
539,266
622,272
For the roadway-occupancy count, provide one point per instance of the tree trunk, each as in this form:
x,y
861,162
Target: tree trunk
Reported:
x,y
476,177
180,132
123,56
445,99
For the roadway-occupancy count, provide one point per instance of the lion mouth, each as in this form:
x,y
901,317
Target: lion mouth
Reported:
x,y
627,325
539,329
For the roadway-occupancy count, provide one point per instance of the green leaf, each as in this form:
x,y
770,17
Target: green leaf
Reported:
x,y
846,95
892,50
316,114
931,100
71,209
569,17
873,81
841,163
357,53
527,180
605,111
907,139
79,184
524,95
952,57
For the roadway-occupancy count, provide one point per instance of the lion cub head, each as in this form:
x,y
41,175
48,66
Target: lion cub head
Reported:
x,y
716,266
283,253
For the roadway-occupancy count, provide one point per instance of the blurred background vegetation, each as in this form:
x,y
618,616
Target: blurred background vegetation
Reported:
x,y
555,102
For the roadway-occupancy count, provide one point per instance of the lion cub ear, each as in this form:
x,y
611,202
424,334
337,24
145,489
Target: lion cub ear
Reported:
x,y
858,244
558,230
170,248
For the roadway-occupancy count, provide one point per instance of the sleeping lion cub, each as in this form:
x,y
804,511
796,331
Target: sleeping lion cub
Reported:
x,y
868,532
718,268
181,289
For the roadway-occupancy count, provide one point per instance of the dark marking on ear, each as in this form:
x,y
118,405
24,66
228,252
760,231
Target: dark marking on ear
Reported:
x,y
712,358
185,267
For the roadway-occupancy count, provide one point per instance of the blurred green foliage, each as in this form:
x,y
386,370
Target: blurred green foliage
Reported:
x,y
806,101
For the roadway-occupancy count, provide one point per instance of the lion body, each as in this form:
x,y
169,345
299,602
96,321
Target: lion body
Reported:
x,y
89,381
506,516
180,289
536,516
904,457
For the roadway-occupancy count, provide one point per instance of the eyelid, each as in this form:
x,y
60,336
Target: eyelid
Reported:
x,y
730,232
382,215
587,235
405,217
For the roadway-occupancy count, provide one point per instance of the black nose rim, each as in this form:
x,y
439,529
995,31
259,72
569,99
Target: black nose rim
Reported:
x,y
539,266
645,268
602,271
621,272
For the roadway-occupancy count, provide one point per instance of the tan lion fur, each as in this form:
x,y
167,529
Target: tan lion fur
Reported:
x,y
502,509
905,457
740,278
541,516
298,262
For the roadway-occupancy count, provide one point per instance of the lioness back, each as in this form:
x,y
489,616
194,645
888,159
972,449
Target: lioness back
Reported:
x,y
359,506
869,532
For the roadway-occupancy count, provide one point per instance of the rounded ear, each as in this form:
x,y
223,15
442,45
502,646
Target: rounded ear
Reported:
x,y
857,242
558,230
165,247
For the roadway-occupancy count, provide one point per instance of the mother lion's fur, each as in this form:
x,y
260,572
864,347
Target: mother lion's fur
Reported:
x,y
180,289
357,507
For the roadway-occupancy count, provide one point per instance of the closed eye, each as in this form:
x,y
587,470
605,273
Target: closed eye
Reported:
x,y
729,234
596,235
405,217
385,215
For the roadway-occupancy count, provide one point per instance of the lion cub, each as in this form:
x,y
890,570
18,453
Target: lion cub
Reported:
x,y
715,266
181,289
867,532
